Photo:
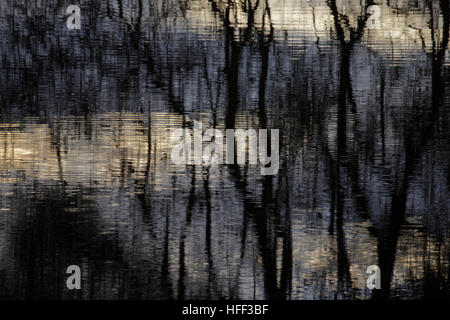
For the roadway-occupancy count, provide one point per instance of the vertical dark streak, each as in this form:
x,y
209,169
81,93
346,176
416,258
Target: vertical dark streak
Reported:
x,y
182,262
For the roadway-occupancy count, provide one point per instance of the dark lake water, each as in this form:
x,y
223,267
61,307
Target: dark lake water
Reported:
x,y
86,176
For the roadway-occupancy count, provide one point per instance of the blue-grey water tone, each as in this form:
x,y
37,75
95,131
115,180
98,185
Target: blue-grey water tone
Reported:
x,y
86,176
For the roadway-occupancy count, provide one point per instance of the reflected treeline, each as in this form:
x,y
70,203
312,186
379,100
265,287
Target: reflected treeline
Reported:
x,y
85,170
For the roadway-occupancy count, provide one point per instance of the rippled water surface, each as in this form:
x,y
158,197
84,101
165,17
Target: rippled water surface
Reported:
x,y
86,176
